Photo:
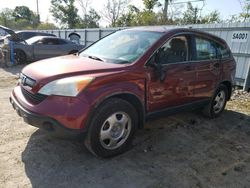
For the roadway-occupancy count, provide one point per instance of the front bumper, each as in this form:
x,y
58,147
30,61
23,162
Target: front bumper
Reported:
x,y
42,121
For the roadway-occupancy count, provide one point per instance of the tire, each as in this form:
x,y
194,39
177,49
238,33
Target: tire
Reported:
x,y
20,57
112,128
217,104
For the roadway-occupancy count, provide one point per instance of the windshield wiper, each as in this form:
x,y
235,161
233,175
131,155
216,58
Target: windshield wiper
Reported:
x,y
95,58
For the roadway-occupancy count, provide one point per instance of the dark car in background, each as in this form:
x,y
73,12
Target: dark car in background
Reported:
x,y
29,34
24,35
42,47
31,46
108,90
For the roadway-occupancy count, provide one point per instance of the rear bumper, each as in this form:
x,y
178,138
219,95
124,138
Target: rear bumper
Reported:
x,y
44,122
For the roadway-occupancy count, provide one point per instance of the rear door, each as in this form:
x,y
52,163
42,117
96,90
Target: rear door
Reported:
x,y
176,87
207,64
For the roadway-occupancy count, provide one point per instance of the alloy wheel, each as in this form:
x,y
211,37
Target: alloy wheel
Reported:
x,y
219,101
115,130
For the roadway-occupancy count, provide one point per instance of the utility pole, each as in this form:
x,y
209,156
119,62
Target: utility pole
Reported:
x,y
165,10
37,12
195,15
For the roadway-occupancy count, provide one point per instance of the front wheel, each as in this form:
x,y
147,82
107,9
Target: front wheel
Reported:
x,y
112,128
20,57
217,103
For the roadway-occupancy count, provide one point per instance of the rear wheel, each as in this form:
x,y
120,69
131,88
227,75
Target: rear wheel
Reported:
x,y
112,128
217,103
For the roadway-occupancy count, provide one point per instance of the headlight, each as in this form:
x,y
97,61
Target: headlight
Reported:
x,y
67,86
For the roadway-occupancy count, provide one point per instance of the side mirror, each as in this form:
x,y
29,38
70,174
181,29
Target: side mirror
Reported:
x,y
156,64
152,62
161,72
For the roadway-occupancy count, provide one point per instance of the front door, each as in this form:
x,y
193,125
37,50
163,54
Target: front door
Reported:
x,y
176,85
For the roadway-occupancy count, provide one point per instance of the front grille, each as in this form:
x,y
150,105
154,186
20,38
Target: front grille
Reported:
x,y
33,98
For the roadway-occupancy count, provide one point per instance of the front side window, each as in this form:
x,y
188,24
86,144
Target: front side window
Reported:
x,y
205,49
174,51
122,47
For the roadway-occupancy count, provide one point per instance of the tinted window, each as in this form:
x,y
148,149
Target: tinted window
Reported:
x,y
50,41
223,51
205,49
174,51
61,41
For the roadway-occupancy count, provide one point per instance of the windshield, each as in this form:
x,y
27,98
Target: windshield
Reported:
x,y
122,47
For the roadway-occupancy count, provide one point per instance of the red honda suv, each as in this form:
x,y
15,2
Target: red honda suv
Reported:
x,y
110,88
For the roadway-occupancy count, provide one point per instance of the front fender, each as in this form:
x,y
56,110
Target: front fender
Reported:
x,y
133,87
97,95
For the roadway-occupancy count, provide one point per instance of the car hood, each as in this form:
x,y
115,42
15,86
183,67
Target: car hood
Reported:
x,y
70,65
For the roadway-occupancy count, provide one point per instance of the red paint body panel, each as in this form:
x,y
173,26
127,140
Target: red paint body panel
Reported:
x,y
71,112
184,82
176,89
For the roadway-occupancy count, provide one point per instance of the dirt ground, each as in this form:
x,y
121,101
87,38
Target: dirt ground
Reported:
x,y
184,150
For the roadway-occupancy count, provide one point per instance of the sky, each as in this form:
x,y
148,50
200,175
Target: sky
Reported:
x,y
225,7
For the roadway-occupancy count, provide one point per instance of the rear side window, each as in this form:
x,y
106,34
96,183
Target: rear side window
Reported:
x,y
174,51
61,41
50,41
55,41
223,51
205,49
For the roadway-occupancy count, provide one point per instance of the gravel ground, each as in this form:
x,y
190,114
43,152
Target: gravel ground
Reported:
x,y
184,150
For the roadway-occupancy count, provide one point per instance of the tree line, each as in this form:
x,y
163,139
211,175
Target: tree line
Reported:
x,y
118,13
